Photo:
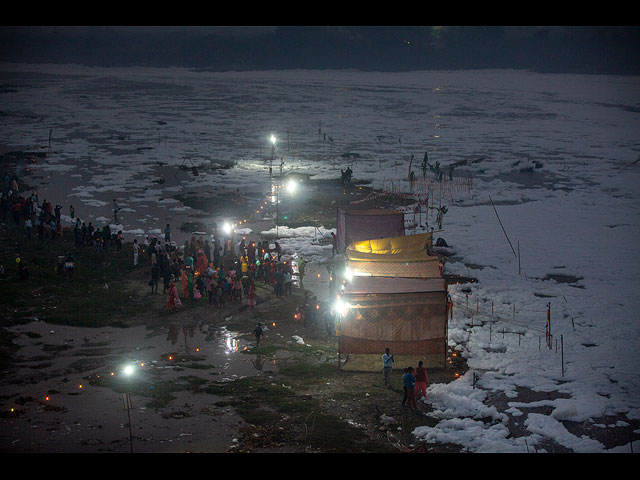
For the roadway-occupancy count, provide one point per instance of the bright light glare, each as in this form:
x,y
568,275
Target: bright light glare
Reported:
x,y
226,227
292,186
273,139
341,307
128,370
348,274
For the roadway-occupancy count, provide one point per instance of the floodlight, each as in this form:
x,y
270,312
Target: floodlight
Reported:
x,y
348,274
341,307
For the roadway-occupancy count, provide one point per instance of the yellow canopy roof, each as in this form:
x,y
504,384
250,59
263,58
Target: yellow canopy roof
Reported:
x,y
406,248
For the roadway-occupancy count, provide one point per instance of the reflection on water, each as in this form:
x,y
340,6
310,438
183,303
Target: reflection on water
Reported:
x,y
258,363
231,343
220,348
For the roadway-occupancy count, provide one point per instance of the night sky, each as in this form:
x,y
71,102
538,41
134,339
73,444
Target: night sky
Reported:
x,y
550,49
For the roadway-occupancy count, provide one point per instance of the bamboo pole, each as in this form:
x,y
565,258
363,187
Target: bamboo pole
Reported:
x,y
505,233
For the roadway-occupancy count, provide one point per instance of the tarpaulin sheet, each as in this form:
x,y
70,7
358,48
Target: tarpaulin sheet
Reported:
x,y
362,224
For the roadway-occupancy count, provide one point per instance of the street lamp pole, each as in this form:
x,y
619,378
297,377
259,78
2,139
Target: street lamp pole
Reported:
x,y
273,147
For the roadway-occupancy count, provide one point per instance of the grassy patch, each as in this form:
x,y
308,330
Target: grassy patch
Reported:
x,y
98,294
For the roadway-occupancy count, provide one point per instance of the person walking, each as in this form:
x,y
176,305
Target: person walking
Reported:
x,y
258,333
387,366
422,380
409,381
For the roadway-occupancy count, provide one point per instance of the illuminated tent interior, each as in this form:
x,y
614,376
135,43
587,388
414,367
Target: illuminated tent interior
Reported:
x,y
404,256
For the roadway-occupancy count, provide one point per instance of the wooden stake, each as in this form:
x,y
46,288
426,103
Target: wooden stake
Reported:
x,y
562,353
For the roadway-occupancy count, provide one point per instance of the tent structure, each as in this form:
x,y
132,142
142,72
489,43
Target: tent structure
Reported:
x,y
396,298
403,256
356,224
408,315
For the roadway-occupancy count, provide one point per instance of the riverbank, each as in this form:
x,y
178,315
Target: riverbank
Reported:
x,y
201,385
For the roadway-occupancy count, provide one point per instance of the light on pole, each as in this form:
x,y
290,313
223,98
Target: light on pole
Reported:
x,y
128,371
273,148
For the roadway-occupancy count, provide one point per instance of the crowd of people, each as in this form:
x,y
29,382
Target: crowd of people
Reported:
x,y
220,271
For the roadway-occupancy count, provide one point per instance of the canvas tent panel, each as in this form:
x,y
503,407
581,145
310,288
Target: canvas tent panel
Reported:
x,y
434,346
428,269
359,224
395,317
410,323
373,285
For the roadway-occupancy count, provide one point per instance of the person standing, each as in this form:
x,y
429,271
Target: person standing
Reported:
x,y
334,244
287,283
172,297
155,276
27,227
279,286
167,234
251,299
136,252
421,380
72,212
409,381
301,269
404,387
387,366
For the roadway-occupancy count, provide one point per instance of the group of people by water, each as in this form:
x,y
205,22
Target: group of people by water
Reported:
x,y
414,381
219,271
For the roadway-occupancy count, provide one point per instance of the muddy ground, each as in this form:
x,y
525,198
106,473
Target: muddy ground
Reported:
x,y
201,384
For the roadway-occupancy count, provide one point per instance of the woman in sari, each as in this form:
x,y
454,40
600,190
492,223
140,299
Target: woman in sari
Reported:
x,y
184,281
251,300
172,296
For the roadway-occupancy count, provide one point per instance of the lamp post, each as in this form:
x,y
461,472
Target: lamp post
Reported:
x,y
229,232
128,372
273,148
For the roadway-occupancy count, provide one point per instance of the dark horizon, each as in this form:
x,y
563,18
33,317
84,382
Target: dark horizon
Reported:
x,y
545,49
